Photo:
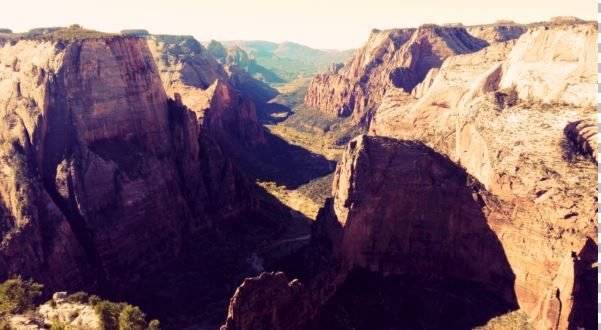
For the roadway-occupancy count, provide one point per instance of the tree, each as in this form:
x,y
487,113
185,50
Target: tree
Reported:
x,y
108,313
154,325
132,318
18,296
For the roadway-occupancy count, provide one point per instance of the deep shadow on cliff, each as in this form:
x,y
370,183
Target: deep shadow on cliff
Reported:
x,y
403,244
371,301
281,162
194,289
584,311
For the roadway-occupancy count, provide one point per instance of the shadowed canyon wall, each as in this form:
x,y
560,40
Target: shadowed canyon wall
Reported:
x,y
103,178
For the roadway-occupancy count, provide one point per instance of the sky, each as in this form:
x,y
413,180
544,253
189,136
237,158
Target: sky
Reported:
x,y
325,24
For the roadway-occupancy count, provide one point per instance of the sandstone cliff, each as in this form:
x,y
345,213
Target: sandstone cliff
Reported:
x,y
492,182
103,178
398,58
398,209
515,116
188,69
247,76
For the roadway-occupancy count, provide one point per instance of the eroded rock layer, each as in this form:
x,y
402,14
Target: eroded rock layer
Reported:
x,y
203,84
103,178
490,181
514,116
398,58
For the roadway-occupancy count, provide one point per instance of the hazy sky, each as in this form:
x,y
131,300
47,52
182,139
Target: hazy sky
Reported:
x,y
317,23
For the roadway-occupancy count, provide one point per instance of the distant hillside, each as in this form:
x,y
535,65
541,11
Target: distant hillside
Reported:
x,y
290,60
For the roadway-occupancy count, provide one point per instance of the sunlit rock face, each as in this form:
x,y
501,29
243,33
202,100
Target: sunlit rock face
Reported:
x,y
399,58
188,70
483,172
103,178
517,116
398,209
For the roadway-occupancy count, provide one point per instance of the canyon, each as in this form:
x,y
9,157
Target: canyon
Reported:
x,y
493,143
454,184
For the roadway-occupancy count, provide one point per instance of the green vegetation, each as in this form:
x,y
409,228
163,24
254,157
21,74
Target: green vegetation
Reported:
x,y
65,34
18,296
132,318
122,316
79,297
135,32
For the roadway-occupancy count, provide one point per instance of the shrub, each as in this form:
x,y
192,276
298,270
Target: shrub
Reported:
x,y
17,295
79,297
108,313
154,325
93,300
132,318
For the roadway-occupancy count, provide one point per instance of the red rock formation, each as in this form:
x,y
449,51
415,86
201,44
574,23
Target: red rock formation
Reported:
x,y
501,113
202,83
103,179
524,227
267,301
392,58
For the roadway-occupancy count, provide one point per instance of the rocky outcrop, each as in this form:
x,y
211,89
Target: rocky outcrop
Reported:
x,y
399,208
502,113
498,32
268,301
202,83
583,136
398,58
248,77
103,178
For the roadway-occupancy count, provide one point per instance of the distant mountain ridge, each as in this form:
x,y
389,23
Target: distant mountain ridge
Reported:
x,y
290,60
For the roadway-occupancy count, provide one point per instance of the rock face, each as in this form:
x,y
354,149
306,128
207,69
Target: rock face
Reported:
x,y
430,222
202,83
243,70
103,178
509,114
495,188
278,306
399,208
398,58
498,32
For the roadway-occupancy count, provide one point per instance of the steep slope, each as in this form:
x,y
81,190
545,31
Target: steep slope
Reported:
x,y
515,117
249,77
398,209
103,178
202,83
492,184
392,58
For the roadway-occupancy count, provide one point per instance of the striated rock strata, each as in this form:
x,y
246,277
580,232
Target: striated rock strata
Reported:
x,y
399,58
512,115
497,188
102,177
188,70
